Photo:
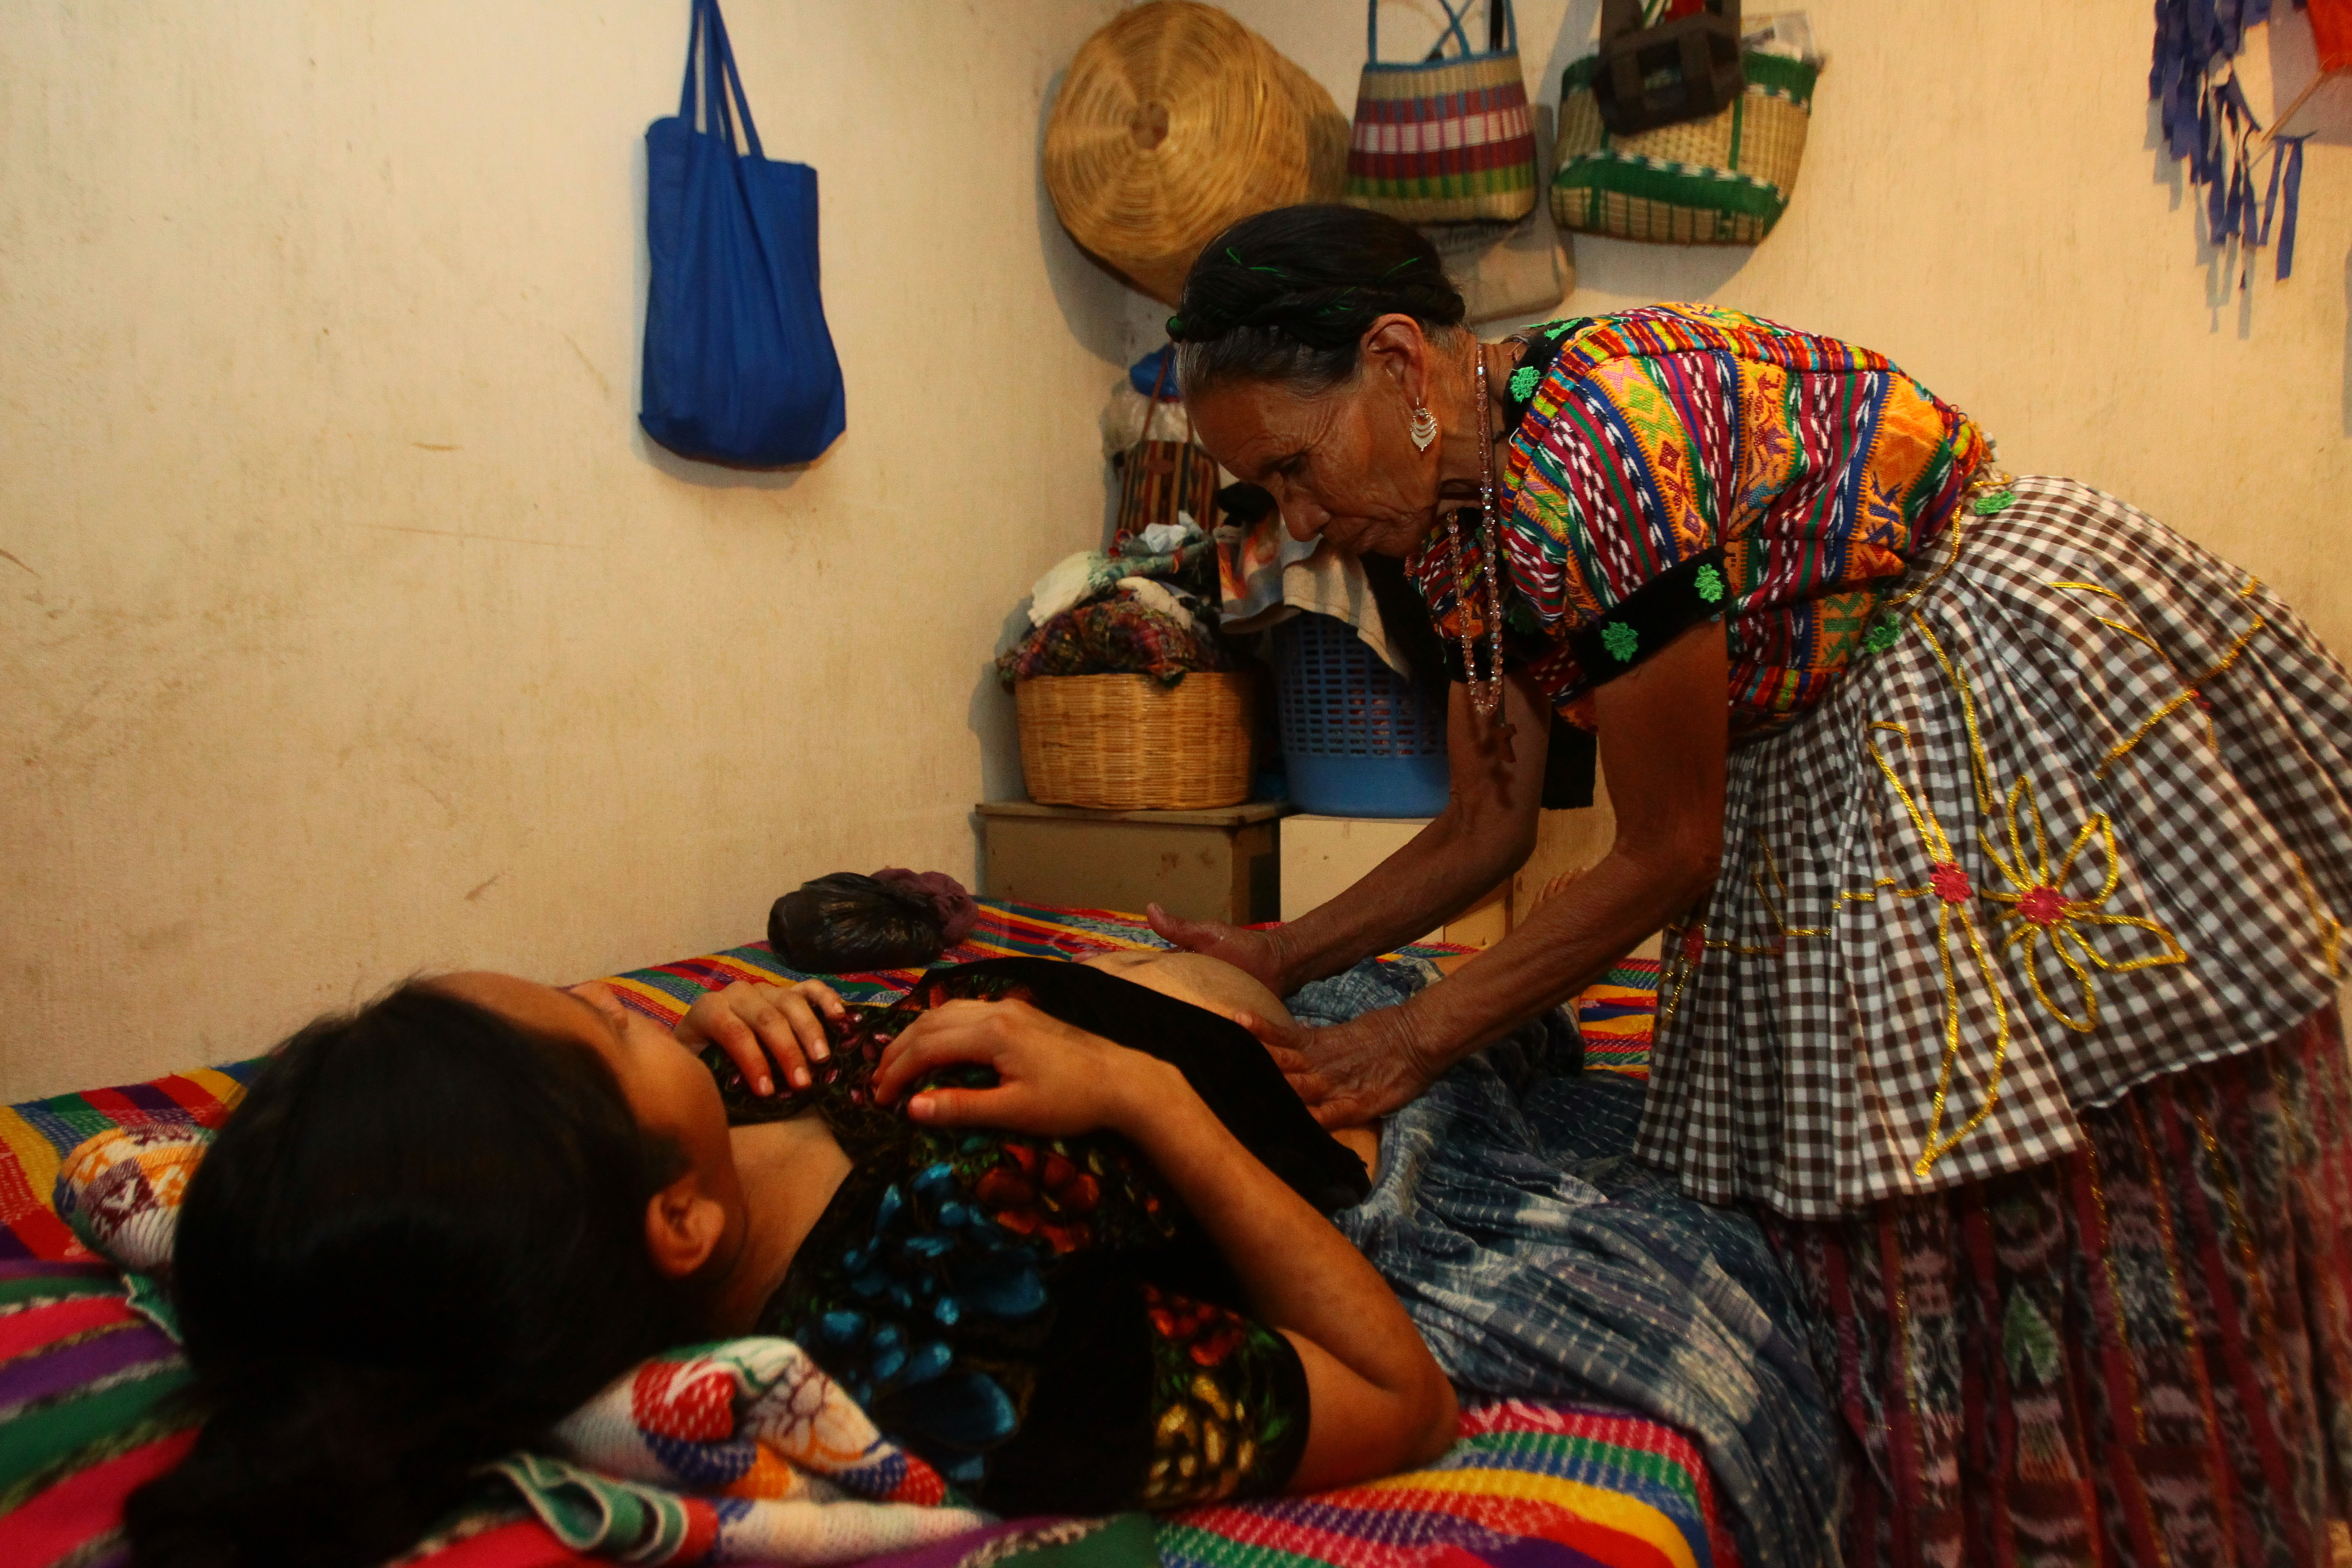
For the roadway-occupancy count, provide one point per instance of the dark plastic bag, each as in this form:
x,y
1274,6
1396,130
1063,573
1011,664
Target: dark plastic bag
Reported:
x,y
845,922
739,365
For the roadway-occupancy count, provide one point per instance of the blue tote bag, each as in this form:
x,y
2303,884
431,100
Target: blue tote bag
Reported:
x,y
740,367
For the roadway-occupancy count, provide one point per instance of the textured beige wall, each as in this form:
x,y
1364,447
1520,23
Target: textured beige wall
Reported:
x,y
347,623
348,626
1981,199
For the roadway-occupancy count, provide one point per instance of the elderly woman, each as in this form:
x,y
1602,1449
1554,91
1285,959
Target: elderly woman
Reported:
x,y
1998,834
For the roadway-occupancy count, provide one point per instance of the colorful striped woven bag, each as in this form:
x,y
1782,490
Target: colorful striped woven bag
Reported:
x,y
1445,141
1723,180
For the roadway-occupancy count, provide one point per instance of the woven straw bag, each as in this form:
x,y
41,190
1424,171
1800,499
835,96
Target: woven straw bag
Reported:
x,y
1174,122
1125,742
1509,270
1723,180
1445,141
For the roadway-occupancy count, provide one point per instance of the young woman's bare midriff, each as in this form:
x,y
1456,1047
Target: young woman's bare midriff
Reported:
x,y
1226,991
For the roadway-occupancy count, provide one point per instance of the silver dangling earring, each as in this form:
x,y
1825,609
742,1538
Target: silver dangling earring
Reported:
x,y
1425,426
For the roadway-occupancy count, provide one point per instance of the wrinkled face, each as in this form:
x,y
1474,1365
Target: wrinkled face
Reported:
x,y
1340,463
668,1091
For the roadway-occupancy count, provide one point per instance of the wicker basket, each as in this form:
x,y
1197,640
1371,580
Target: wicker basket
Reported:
x,y
1174,122
1449,139
1125,742
1723,180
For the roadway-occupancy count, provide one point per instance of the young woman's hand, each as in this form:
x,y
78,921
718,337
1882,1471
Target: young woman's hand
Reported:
x,y
1054,1080
752,1021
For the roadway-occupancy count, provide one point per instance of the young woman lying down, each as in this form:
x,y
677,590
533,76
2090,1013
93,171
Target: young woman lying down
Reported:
x,y
1060,1229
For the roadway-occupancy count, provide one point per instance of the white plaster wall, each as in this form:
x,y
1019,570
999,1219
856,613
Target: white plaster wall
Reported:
x,y
348,626
1982,200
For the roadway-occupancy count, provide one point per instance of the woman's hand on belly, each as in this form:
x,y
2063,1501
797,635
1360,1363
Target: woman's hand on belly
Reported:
x,y
1053,1079
1352,1073
1257,953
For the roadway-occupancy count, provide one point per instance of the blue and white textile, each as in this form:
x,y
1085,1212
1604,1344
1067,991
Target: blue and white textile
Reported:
x,y
1540,1260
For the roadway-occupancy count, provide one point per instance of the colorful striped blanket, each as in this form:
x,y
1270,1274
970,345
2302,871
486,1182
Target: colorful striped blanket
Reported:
x,y
84,1416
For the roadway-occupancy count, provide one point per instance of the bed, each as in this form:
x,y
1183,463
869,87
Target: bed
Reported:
x,y
86,1418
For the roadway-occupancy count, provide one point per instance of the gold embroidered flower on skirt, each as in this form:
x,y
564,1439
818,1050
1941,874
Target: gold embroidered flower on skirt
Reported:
x,y
2075,929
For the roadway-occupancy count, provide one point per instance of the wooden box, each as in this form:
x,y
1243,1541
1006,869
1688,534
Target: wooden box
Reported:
x,y
1209,865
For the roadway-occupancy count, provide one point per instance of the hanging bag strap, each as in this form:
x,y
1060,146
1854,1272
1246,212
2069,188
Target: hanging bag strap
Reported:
x,y
1151,407
1502,27
1453,26
720,80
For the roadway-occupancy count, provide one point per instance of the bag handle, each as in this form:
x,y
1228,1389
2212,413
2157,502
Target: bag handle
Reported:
x,y
708,32
1453,26
1502,27
1151,407
1618,16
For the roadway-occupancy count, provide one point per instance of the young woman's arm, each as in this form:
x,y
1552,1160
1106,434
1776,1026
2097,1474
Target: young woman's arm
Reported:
x,y
1378,1402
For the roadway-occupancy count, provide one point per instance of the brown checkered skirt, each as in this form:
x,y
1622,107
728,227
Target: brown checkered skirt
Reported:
x,y
2083,821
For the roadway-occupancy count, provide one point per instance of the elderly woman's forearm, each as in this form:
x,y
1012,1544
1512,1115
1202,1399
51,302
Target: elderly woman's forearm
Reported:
x,y
1447,868
1569,943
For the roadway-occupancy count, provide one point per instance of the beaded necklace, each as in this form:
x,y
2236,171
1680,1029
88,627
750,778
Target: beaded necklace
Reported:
x,y
1485,696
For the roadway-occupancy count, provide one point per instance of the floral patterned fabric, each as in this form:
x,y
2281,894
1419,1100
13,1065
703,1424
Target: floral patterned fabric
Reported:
x,y
1039,1318
1680,462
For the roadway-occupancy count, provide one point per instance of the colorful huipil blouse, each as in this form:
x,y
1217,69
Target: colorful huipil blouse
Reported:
x,y
1040,1318
1678,463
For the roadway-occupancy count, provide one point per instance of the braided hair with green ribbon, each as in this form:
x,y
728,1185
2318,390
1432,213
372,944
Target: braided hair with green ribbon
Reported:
x,y
1288,295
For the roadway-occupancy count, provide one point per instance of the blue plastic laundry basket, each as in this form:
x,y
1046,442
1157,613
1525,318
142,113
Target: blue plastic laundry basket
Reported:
x,y
1358,738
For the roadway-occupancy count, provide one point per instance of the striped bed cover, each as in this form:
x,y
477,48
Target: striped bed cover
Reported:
x,y
83,1419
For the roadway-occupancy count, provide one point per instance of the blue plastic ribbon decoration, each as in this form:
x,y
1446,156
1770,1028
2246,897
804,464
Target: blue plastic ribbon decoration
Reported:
x,y
2290,152
2208,121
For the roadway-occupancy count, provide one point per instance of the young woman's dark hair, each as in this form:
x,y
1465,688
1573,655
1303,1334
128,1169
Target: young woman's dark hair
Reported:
x,y
417,1243
1287,296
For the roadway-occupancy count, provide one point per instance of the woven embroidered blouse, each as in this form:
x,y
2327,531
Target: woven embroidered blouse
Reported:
x,y
1040,1318
1680,462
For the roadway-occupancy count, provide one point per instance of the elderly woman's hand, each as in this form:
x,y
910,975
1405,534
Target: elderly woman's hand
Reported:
x,y
1349,1074
1254,952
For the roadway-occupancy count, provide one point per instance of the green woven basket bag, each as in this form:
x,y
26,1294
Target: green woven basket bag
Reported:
x,y
1723,180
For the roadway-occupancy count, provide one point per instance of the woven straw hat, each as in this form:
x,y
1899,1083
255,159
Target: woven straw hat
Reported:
x,y
1174,121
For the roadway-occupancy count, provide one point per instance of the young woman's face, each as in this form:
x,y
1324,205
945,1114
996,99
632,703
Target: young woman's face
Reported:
x,y
668,1091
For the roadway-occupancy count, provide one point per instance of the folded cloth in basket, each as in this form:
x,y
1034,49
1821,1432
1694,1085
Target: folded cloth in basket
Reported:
x,y
1119,635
